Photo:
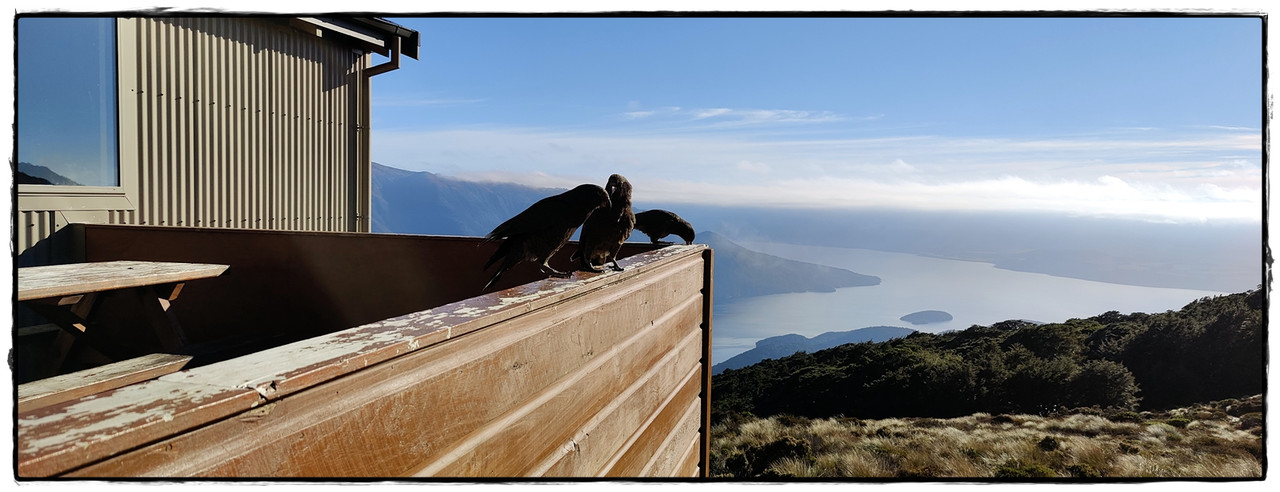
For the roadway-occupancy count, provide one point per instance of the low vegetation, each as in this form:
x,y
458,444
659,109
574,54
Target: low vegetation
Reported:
x,y
1219,439
1211,349
1083,399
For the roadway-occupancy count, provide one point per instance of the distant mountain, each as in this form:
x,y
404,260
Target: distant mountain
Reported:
x,y
408,202
29,173
784,345
741,272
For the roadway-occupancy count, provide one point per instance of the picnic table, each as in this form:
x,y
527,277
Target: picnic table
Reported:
x,y
67,296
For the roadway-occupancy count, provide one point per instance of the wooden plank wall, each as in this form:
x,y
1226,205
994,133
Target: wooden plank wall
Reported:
x,y
602,376
292,285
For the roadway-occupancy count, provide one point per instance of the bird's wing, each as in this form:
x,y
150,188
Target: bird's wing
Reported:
x,y
543,213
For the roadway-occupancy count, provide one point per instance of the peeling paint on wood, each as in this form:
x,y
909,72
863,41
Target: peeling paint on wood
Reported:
x,y
282,370
138,414
45,392
79,278
53,439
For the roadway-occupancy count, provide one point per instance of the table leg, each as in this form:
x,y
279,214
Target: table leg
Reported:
x,y
70,314
154,302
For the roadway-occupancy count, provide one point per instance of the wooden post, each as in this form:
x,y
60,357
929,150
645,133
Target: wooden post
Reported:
x,y
708,256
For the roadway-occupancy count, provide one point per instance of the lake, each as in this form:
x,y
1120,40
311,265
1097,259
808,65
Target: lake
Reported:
x,y
974,293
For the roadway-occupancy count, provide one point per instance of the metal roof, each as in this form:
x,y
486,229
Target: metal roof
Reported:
x,y
370,33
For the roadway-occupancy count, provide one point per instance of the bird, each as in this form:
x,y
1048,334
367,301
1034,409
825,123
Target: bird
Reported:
x,y
607,228
658,224
542,229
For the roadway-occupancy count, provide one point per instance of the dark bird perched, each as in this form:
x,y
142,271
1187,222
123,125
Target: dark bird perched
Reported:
x,y
657,224
607,228
542,229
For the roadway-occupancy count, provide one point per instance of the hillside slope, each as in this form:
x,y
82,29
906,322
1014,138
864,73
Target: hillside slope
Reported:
x,y
784,345
741,272
407,202
1211,349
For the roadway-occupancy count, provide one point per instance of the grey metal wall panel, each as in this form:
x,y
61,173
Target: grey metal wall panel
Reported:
x,y
240,123
245,124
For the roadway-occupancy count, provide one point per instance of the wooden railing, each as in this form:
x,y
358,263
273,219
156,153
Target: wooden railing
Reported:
x,y
597,375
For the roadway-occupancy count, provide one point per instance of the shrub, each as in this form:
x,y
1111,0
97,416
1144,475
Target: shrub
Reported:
x,y
736,464
789,420
928,423
926,471
1129,416
1017,469
756,459
1241,408
1003,419
790,468
1037,448
1250,420
1083,471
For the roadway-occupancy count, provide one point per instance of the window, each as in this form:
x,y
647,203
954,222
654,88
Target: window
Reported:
x,y
67,102
72,114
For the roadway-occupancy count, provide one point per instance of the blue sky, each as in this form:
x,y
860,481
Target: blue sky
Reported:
x,y
1149,118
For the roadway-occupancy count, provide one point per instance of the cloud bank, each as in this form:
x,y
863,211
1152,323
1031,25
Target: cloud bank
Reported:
x,y
1212,175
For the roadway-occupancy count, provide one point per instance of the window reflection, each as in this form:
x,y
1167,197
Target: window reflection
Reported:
x,y
67,110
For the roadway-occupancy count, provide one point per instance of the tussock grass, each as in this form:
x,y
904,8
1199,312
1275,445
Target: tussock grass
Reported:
x,y
1201,441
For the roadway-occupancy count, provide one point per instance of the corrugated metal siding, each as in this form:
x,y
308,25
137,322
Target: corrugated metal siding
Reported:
x,y
244,124
34,226
241,123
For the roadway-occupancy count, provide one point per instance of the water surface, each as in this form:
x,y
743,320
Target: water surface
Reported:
x,y
972,292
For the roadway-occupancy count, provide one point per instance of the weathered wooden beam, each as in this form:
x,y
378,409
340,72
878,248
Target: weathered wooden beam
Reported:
x,y
448,390
57,389
79,278
61,437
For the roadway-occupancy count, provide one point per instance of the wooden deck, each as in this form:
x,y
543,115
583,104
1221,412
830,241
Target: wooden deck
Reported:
x,y
597,375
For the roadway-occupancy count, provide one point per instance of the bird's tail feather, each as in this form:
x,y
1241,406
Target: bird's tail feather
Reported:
x,y
492,280
501,252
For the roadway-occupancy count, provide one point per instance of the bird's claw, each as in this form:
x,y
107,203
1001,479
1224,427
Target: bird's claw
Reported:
x,y
555,273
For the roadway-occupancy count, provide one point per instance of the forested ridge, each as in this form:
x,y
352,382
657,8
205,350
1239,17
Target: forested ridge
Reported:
x,y
1211,349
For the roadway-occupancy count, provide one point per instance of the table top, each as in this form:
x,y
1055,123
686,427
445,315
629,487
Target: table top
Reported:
x,y
43,282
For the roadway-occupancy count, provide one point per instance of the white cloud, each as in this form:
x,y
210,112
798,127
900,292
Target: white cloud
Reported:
x,y
535,179
1105,197
1180,179
710,113
732,117
754,167
788,116
901,166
